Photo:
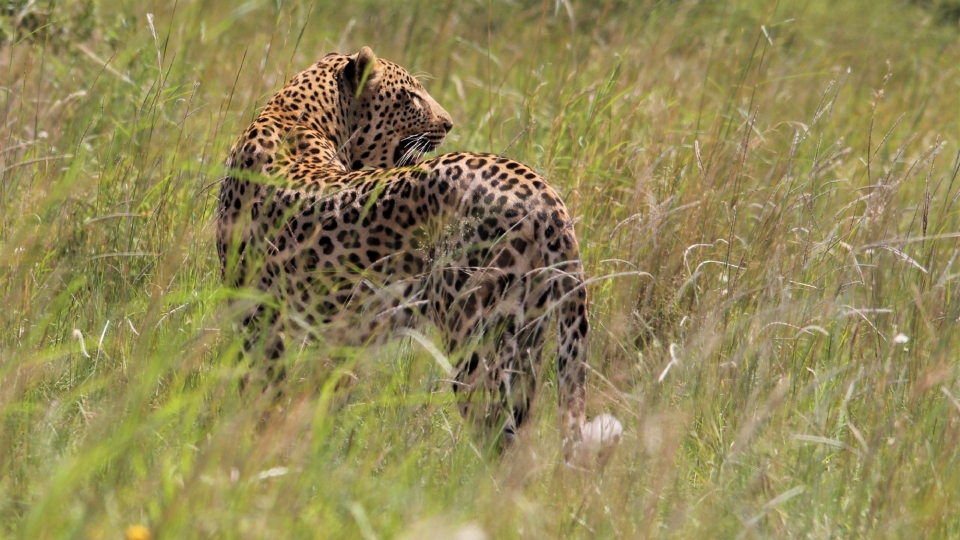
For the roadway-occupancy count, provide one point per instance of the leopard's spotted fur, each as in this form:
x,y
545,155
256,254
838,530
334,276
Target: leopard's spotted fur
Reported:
x,y
476,243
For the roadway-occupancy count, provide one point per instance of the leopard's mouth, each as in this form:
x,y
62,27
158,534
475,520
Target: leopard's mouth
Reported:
x,y
411,150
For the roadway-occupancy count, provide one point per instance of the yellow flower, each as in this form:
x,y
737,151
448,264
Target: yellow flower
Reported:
x,y
138,532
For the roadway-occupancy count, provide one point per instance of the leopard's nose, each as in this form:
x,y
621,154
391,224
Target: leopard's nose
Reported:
x,y
447,124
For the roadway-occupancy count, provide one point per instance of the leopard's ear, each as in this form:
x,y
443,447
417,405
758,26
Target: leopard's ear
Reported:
x,y
361,70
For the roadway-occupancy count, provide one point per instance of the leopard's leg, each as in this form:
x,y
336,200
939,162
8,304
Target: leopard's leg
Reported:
x,y
497,384
527,368
262,350
533,320
484,382
262,355
494,330
455,300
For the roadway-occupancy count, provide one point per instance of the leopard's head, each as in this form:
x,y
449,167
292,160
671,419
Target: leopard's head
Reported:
x,y
394,121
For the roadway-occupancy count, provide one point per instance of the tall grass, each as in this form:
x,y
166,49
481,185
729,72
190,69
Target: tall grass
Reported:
x,y
766,190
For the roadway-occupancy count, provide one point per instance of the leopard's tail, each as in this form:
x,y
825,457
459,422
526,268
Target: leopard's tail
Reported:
x,y
570,296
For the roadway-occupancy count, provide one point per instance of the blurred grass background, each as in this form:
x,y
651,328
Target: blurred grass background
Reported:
x,y
784,173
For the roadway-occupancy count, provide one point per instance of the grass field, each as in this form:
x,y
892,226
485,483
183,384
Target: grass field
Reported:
x,y
767,192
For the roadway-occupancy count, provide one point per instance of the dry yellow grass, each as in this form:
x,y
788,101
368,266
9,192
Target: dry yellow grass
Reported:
x,y
767,191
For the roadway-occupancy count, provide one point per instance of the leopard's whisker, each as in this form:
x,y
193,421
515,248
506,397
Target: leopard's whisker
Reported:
x,y
414,152
405,158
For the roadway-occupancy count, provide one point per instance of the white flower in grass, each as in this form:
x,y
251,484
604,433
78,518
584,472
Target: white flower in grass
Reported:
x,y
271,473
600,436
900,339
470,531
78,335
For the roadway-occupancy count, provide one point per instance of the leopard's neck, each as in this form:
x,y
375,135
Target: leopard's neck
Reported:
x,y
302,133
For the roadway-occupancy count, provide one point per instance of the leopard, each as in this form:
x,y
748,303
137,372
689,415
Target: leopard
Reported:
x,y
332,212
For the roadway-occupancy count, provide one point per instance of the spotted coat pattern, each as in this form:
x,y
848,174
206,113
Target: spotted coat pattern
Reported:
x,y
329,209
